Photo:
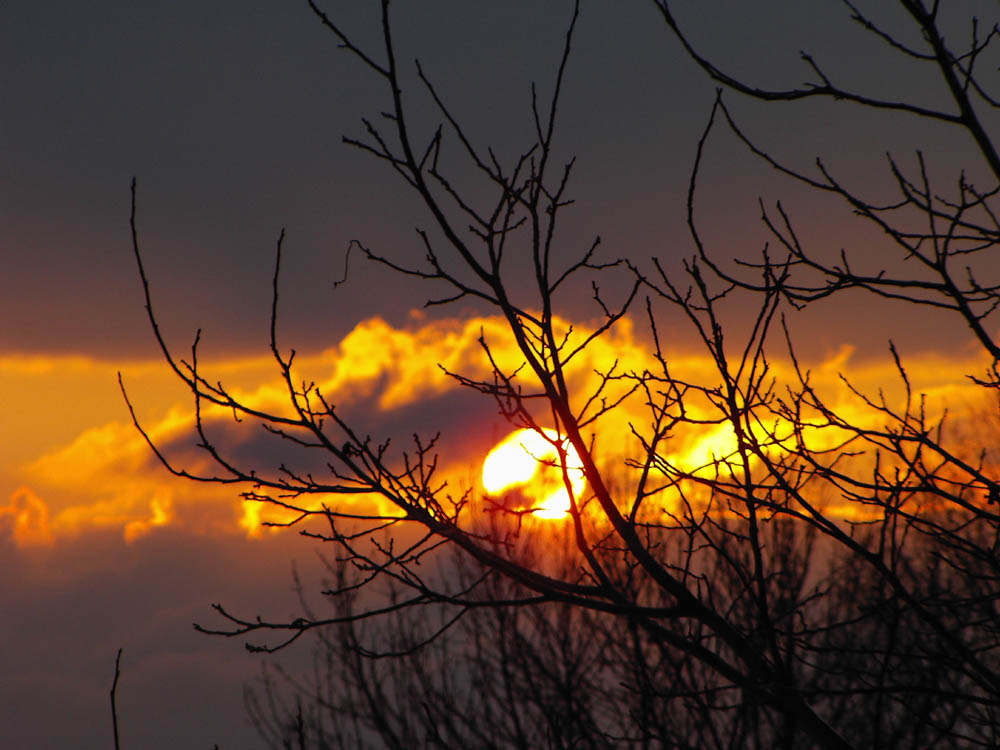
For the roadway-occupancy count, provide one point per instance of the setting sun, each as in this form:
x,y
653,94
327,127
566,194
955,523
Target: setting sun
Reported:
x,y
528,462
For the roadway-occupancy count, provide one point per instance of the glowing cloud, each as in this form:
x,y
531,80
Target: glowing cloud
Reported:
x,y
26,519
94,470
161,515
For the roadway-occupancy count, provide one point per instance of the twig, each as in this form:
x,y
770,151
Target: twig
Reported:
x,y
114,709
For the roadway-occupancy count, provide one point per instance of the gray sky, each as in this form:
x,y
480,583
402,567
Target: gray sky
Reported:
x,y
231,113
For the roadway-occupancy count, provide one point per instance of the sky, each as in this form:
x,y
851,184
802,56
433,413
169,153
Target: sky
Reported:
x,y
229,115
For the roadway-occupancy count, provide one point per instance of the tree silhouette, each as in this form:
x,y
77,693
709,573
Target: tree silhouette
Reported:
x,y
555,675
827,581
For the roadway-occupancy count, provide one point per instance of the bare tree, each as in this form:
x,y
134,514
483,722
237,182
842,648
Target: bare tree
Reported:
x,y
555,676
735,589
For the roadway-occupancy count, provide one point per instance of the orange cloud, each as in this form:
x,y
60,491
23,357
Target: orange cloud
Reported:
x,y
161,513
96,470
26,519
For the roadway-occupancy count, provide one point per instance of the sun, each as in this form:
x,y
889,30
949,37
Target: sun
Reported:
x,y
527,461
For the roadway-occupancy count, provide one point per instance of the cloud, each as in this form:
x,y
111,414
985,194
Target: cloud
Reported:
x,y
387,381
26,519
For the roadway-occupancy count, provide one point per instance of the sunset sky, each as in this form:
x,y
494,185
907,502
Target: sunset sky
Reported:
x,y
230,116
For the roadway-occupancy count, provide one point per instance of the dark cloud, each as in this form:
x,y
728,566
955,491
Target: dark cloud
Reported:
x,y
467,423
231,115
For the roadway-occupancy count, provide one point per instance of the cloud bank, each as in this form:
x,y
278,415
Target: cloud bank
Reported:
x,y
94,471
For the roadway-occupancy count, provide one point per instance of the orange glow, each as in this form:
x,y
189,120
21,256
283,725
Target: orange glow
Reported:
x,y
80,452
529,462
27,518
162,514
251,521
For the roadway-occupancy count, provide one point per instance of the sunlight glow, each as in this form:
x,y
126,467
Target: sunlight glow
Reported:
x,y
161,514
90,469
528,461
